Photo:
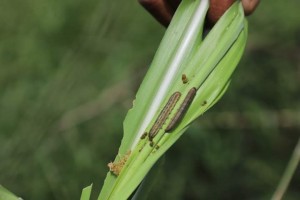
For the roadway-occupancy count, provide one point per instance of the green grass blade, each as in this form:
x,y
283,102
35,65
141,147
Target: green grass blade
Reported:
x,y
212,89
142,193
288,174
7,195
86,192
141,113
136,116
208,65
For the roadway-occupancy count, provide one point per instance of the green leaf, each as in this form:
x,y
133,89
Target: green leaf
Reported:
x,y
133,123
208,65
177,37
86,192
7,195
142,192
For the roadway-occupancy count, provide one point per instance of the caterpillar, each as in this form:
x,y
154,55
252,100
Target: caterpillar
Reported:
x,y
182,109
162,117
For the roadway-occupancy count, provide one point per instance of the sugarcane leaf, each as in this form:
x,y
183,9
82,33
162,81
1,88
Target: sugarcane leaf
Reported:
x,y
136,117
7,195
208,64
86,192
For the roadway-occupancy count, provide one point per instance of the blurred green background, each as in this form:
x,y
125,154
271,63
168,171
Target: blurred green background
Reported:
x,y
69,71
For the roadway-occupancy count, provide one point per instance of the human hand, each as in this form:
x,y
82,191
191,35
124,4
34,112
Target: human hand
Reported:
x,y
163,10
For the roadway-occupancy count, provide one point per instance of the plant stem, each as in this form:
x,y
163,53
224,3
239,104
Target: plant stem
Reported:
x,y
288,174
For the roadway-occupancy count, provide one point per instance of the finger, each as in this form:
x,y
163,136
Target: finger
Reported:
x,y
217,9
159,9
173,4
163,10
250,6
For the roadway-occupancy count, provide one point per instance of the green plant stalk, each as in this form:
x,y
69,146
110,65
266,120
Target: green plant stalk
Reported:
x,y
208,65
288,174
